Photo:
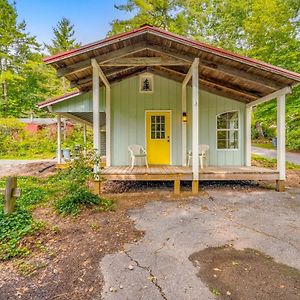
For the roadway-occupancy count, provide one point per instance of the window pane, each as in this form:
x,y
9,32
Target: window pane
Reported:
x,y
162,135
222,135
221,144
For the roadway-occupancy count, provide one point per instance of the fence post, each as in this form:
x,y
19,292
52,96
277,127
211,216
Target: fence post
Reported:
x,y
9,197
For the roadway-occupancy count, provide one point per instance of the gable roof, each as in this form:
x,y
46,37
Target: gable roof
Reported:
x,y
158,51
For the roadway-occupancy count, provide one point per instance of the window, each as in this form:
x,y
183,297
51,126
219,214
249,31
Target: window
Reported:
x,y
146,83
158,127
228,130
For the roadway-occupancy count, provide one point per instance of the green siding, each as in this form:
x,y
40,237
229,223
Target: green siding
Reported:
x,y
81,103
128,119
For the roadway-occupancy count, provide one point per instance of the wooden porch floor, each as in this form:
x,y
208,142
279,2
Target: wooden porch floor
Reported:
x,y
170,173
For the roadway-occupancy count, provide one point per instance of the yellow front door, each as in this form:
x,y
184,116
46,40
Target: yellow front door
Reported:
x,y
158,137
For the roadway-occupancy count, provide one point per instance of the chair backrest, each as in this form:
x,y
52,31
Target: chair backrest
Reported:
x,y
203,148
135,149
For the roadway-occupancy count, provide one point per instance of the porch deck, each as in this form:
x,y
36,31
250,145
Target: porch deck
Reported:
x,y
172,173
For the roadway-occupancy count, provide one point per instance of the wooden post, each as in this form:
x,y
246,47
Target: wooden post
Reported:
x,y
281,142
195,186
248,136
59,139
10,199
183,125
97,187
177,187
108,127
96,114
195,124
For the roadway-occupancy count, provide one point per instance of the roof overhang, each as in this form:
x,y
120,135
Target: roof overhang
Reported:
x,y
154,50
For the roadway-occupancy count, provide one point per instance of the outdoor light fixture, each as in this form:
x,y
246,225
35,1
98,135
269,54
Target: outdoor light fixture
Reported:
x,y
184,117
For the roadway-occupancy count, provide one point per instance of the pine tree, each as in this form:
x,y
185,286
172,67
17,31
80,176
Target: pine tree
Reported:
x,y
63,37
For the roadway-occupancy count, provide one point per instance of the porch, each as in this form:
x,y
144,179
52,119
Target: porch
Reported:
x,y
183,173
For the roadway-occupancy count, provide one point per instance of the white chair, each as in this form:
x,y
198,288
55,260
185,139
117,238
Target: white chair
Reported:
x,y
137,151
203,152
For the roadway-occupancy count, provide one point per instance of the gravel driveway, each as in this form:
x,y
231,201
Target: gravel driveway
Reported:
x,y
157,266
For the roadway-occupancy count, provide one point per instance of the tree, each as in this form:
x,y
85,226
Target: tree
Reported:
x,y
63,37
15,46
166,14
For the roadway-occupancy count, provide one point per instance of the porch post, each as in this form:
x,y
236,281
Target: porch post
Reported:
x,y
281,142
195,125
58,139
248,136
108,134
183,125
96,114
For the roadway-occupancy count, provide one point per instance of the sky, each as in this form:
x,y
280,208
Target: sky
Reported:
x,y
91,18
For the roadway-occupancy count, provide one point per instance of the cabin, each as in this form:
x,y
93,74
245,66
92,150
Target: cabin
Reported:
x,y
174,97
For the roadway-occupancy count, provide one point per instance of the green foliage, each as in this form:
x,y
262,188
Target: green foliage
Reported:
x,y
15,142
76,193
63,37
166,14
13,229
68,191
76,197
271,163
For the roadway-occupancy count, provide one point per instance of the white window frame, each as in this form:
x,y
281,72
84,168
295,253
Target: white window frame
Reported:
x,y
238,130
142,77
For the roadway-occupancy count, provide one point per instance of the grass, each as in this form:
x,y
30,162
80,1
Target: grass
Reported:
x,y
272,162
264,145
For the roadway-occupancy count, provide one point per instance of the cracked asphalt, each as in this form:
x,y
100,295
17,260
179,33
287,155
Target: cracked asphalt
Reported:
x,y
260,219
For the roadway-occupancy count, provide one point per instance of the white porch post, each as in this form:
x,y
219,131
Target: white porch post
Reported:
x,y
248,136
183,125
59,139
96,114
195,124
108,122
281,141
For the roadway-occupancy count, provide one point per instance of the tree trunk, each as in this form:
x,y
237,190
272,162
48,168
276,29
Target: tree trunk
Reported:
x,y
259,130
4,95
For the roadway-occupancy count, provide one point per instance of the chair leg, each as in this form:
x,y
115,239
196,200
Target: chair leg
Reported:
x,y
132,162
201,162
146,161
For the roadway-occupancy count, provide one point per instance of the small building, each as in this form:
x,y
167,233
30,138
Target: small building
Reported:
x,y
171,94
33,125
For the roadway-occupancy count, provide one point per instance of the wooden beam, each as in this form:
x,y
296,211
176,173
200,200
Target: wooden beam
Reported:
x,y
221,67
195,119
143,61
89,78
281,136
215,86
86,64
284,91
77,119
248,112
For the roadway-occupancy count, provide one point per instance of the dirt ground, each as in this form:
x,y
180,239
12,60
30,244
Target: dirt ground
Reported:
x,y
246,274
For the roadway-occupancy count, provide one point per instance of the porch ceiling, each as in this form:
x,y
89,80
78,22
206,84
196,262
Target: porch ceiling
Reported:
x,y
160,52
86,118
